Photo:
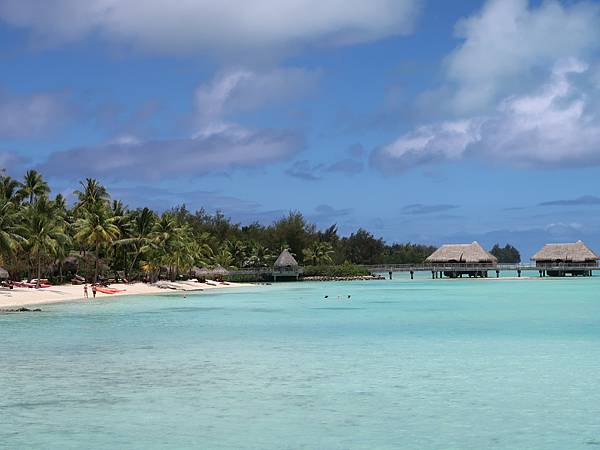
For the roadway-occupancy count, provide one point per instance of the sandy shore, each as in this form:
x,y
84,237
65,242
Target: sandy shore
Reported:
x,y
18,297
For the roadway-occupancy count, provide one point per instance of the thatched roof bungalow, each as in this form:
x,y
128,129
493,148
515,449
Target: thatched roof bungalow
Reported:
x,y
568,253
200,272
286,266
219,271
472,253
285,259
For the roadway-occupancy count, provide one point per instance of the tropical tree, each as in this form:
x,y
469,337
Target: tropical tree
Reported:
x,y
44,233
91,195
166,241
96,229
319,253
260,256
11,229
9,189
33,186
223,258
238,251
139,236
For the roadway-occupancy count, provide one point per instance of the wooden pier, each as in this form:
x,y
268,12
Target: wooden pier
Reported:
x,y
455,270
450,270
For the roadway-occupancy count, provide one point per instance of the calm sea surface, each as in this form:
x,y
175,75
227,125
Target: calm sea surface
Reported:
x,y
423,364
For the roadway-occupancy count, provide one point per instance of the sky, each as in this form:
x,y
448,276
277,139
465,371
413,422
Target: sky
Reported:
x,y
421,121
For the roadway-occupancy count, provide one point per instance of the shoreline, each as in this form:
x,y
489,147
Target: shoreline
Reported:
x,y
25,297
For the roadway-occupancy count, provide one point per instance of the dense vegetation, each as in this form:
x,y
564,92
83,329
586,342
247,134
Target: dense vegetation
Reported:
x,y
43,236
507,254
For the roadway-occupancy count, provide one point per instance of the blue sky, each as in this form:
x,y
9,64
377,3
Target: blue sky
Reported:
x,y
419,120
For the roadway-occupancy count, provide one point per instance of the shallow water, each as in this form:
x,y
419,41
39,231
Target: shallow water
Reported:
x,y
423,364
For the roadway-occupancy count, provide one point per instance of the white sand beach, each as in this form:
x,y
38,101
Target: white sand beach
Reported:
x,y
26,297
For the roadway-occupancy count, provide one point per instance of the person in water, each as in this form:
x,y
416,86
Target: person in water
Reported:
x,y
85,291
94,290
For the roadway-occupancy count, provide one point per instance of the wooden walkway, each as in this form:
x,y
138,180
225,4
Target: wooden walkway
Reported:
x,y
439,267
447,269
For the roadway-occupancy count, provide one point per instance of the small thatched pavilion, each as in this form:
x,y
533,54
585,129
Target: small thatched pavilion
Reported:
x,y
559,259
463,259
200,273
219,273
286,266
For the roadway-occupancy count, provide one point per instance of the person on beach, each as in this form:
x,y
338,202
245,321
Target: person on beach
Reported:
x,y
94,290
85,291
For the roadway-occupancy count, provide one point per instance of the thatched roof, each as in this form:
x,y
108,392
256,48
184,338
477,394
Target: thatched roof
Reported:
x,y
219,271
461,253
570,252
200,272
4,274
286,259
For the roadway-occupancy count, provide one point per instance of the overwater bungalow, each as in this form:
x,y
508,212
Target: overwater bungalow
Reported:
x,y
286,267
558,260
462,259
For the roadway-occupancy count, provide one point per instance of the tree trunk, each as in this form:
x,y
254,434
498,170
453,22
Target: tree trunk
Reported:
x,y
137,254
39,269
96,265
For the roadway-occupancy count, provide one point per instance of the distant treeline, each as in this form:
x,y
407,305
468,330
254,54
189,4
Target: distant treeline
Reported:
x,y
507,254
42,236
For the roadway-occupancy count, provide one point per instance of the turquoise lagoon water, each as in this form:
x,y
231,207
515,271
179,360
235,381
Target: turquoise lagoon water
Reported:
x,y
423,364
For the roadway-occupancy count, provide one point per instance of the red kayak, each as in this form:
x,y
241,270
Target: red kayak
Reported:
x,y
109,290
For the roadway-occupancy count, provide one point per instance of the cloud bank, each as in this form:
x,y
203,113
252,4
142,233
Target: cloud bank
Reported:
x,y
555,126
508,39
33,114
217,143
190,26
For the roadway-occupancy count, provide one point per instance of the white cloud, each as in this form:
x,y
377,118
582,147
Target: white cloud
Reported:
x,y
427,144
232,26
557,125
243,90
508,39
216,144
172,158
30,115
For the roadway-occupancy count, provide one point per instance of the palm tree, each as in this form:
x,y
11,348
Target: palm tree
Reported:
x,y
9,188
33,186
95,229
223,258
92,194
319,254
238,251
44,232
11,232
260,256
139,238
165,240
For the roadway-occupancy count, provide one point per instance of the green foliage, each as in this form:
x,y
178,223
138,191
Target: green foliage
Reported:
x,y
507,254
99,236
346,269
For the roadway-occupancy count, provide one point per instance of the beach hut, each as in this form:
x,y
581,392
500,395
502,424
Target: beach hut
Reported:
x,y
4,274
219,273
574,258
286,266
200,273
455,260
